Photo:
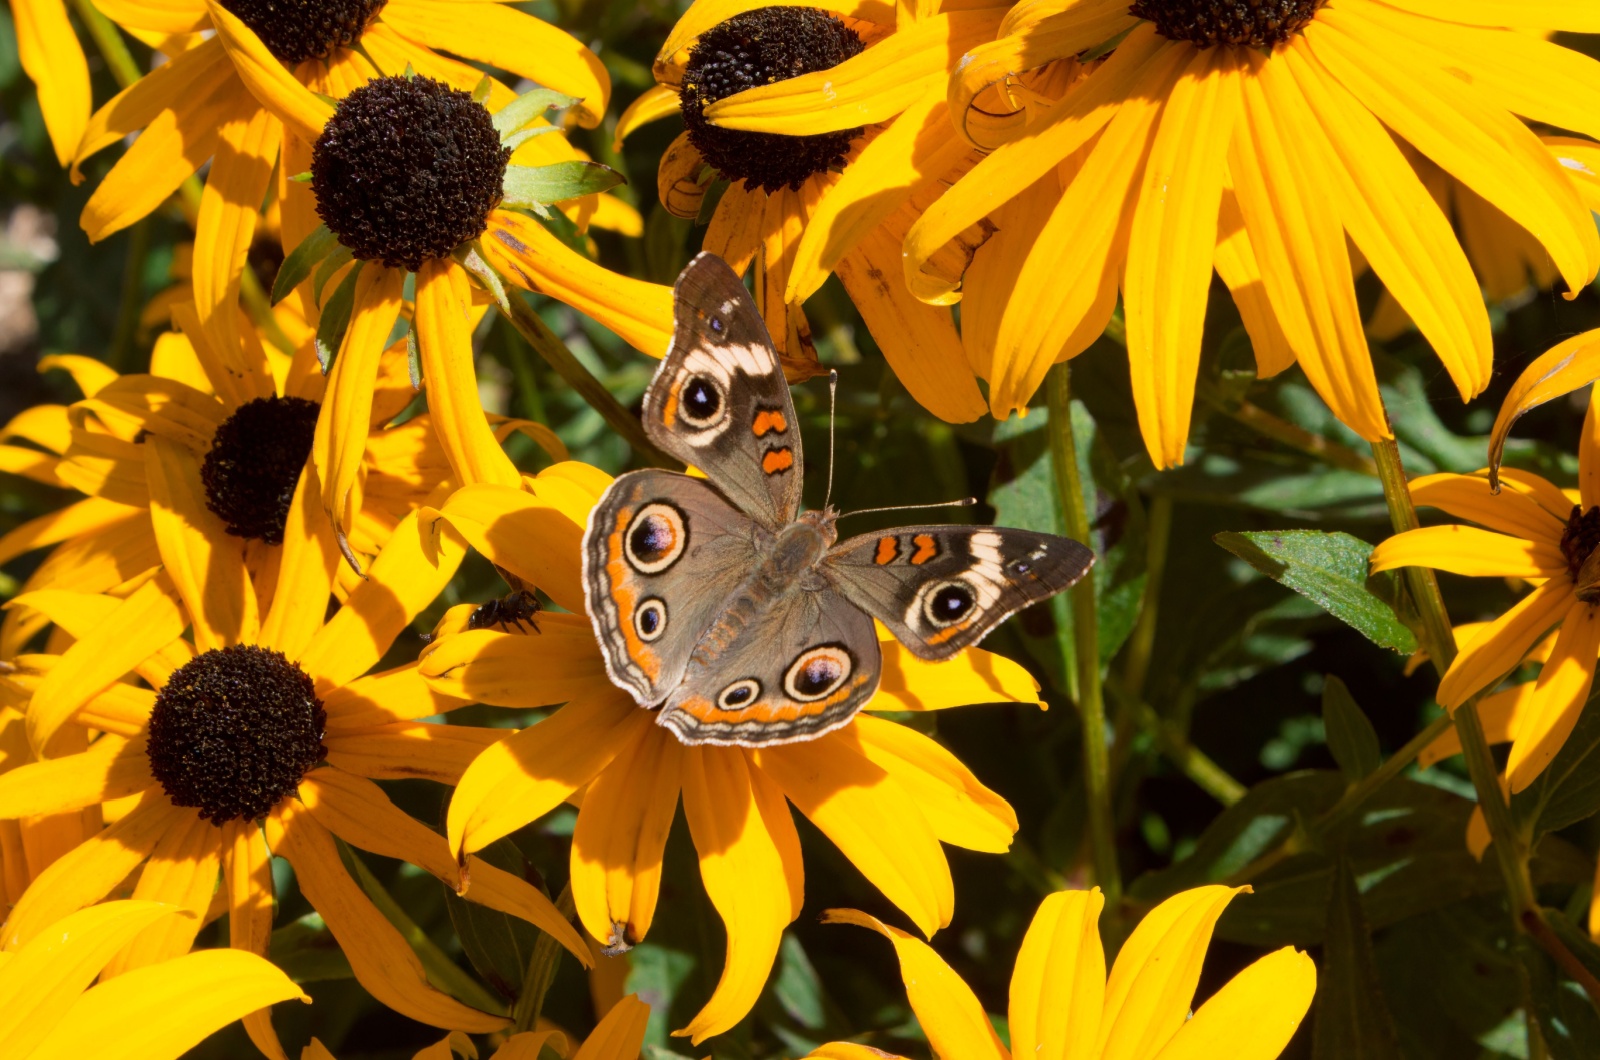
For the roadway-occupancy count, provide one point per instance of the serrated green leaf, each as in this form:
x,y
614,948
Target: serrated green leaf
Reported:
x,y
335,319
1351,737
533,186
1352,1021
298,265
1330,569
520,111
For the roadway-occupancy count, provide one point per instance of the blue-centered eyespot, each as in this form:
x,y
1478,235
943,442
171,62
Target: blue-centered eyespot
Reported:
x,y
656,538
739,694
650,619
817,672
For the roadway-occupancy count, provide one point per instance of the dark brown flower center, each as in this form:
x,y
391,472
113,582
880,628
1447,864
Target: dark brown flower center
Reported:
x,y
1578,541
407,170
255,462
761,47
233,732
1257,23
296,30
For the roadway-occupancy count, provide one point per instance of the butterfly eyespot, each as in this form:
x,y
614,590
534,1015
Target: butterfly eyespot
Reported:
x,y
739,694
818,672
700,401
650,619
656,538
716,325
1020,566
948,603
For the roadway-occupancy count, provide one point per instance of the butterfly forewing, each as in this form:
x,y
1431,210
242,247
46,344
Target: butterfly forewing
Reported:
x,y
719,401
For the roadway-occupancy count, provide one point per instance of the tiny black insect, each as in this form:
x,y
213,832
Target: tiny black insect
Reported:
x,y
512,609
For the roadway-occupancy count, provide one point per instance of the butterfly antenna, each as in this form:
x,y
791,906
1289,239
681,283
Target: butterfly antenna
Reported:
x,y
965,502
833,406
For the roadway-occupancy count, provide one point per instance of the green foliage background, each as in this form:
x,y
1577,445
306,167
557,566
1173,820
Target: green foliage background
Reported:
x,y
1241,707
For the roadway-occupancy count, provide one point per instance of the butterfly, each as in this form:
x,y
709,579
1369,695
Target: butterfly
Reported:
x,y
740,618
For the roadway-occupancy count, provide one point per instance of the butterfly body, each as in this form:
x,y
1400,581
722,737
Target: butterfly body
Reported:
x,y
740,618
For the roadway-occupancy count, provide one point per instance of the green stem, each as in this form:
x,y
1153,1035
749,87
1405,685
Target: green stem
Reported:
x,y
112,47
1141,642
1190,760
547,345
1359,792
541,971
131,299
1086,642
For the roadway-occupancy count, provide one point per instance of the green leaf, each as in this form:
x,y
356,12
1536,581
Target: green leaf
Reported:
x,y
1351,738
1568,791
498,945
657,974
338,259
335,319
526,107
526,133
797,987
1330,569
1567,1019
297,266
480,91
307,951
1352,1021
536,186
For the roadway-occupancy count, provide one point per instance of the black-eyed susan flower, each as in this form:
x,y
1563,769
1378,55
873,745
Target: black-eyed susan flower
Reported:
x,y
1063,1004
1532,530
160,1011
618,1036
886,795
831,134
1270,125
53,59
265,732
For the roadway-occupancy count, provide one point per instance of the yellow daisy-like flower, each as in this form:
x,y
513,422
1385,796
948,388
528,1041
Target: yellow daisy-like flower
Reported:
x,y
618,1036
1535,531
886,795
1063,1005
833,134
53,59
1253,140
159,1011
265,719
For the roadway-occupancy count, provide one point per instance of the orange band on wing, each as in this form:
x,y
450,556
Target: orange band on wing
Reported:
x,y
927,548
777,461
619,575
769,421
888,549
669,411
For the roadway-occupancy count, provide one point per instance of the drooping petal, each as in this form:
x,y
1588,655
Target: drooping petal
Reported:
x,y
1254,1015
1564,368
305,571
1470,551
958,807
182,871
497,889
869,817
444,334
112,768
54,61
1239,267
555,665
1153,980
404,579
1502,715
204,561
397,695
409,750
1502,646
620,1034
531,772
361,813
653,104
378,954
301,112
1470,497
950,1013
1558,697
1589,460
532,536
740,826
158,16
247,877
1059,985
621,835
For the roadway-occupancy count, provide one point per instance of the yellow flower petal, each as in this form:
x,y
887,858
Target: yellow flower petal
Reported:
x,y
555,665
959,808
1470,551
621,834
407,751
870,818
950,1013
745,840
653,104
198,74
1502,715
532,537
305,571
53,60
734,233
397,695
135,629
1566,367
534,770
301,112
1153,980
529,1045
112,768
41,980
346,413
678,178
501,36
1059,983
404,579
1239,267
1470,497
205,562
1503,645
1575,15
849,1051
360,813
90,870
378,954
181,870
81,518
1254,1015
247,877
1558,697
1167,282
620,1035
163,16
444,334
498,889
160,1012
528,255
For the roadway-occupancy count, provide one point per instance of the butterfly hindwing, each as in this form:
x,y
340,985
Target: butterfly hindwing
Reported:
x,y
942,588
661,557
720,402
